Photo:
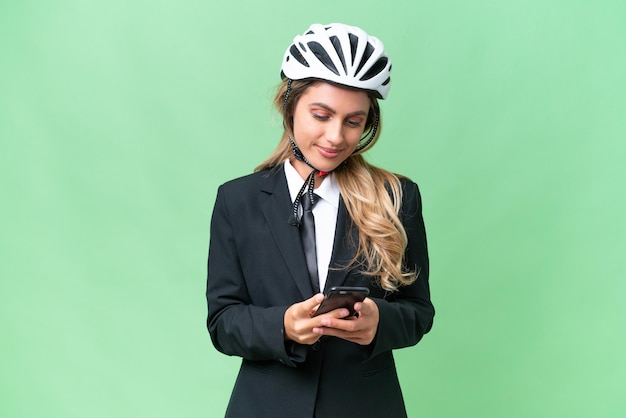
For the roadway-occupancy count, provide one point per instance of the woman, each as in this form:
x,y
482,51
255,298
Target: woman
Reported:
x,y
261,289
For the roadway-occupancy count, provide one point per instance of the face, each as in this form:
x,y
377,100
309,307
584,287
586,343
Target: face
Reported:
x,y
328,123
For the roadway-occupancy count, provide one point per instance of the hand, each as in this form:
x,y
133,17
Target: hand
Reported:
x,y
299,324
360,329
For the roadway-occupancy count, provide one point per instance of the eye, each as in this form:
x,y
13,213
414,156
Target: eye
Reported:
x,y
320,116
354,122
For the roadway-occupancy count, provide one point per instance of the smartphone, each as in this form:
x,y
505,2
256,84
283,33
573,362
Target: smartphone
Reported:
x,y
342,297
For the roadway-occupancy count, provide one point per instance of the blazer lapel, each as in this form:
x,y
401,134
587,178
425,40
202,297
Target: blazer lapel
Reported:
x,y
344,248
277,209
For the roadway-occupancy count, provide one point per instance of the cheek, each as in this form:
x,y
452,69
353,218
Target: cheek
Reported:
x,y
303,129
353,140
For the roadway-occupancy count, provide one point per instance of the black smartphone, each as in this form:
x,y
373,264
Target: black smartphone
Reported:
x,y
342,297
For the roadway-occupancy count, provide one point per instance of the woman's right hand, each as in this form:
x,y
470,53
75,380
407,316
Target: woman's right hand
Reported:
x,y
299,324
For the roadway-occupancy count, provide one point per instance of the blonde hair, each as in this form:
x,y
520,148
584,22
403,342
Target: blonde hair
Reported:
x,y
373,196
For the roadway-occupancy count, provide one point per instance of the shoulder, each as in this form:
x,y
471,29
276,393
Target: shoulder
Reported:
x,y
252,181
398,186
251,190
407,185
390,179
243,182
405,181
411,197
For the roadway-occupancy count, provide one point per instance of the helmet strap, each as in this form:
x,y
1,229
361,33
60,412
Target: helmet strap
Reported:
x,y
373,131
309,183
287,93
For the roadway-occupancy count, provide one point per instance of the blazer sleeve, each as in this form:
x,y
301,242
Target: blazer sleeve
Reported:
x,y
237,326
407,315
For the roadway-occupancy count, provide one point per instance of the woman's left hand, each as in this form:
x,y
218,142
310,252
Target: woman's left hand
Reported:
x,y
360,329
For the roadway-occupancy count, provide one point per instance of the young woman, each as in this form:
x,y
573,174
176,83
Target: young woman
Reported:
x,y
263,286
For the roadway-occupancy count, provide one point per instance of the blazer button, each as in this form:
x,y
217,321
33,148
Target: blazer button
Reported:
x,y
316,346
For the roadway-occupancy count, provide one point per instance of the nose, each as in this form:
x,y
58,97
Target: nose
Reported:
x,y
334,132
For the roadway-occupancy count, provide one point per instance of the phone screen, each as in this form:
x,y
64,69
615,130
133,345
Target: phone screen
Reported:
x,y
342,297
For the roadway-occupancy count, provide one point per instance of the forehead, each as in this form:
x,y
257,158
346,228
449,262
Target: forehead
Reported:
x,y
336,97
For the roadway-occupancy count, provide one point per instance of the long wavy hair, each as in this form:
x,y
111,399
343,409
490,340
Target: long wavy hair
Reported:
x,y
372,195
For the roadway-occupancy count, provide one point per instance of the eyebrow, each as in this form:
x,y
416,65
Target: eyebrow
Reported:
x,y
331,110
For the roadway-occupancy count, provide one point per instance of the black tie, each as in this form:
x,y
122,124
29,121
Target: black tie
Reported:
x,y
307,232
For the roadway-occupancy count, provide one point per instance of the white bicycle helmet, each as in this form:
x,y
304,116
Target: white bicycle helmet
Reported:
x,y
340,54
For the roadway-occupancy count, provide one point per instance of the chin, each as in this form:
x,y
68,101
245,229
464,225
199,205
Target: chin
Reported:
x,y
327,167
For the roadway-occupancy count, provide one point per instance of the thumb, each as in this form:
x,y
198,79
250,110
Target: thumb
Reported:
x,y
312,302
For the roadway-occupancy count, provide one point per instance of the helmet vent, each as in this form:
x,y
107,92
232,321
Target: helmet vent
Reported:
x,y
378,67
322,55
354,42
298,56
337,46
369,49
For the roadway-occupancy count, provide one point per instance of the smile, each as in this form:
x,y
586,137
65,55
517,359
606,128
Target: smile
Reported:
x,y
329,152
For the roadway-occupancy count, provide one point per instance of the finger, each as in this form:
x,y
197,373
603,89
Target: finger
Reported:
x,y
339,313
333,332
364,307
311,303
338,323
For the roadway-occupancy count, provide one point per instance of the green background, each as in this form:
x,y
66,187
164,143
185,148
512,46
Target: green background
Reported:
x,y
119,119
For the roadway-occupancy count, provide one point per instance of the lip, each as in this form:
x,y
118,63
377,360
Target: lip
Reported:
x,y
328,152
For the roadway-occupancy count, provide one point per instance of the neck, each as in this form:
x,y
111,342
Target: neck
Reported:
x,y
304,170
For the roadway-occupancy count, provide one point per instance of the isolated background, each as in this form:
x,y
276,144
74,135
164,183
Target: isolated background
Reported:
x,y
118,121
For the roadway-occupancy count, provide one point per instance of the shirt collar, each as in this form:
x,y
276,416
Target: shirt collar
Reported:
x,y
328,190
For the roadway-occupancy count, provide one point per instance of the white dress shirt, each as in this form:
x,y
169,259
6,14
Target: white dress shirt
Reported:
x,y
325,213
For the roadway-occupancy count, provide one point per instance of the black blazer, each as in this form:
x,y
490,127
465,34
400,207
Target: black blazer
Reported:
x,y
257,269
